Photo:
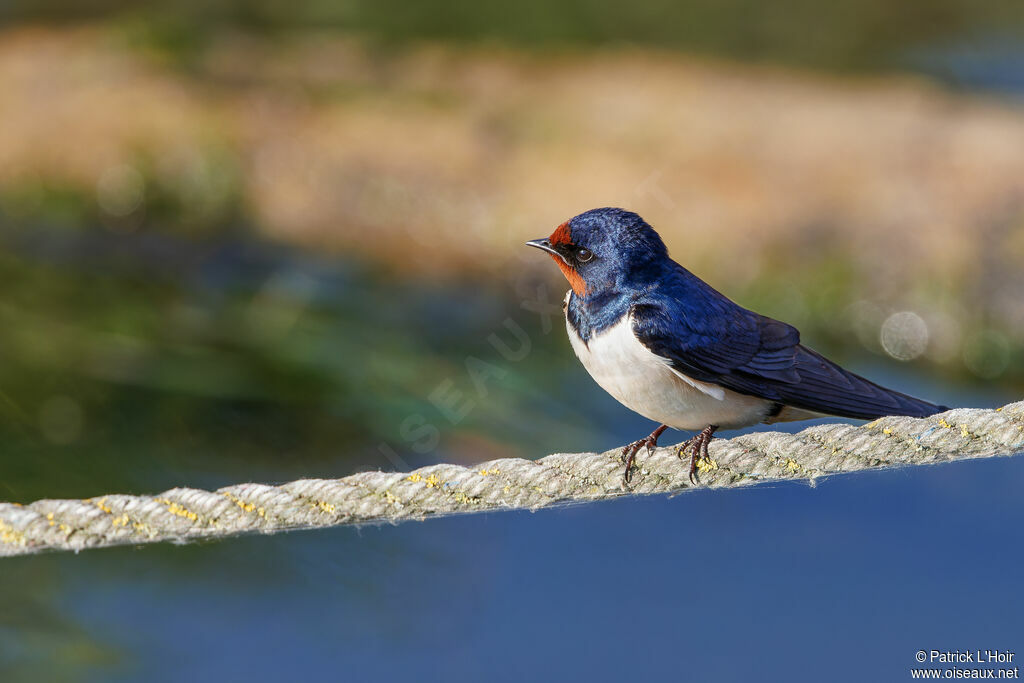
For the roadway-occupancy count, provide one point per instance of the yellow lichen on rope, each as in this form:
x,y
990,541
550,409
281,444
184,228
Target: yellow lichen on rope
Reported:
x,y
184,514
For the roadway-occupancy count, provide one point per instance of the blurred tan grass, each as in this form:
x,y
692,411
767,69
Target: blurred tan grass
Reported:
x,y
445,159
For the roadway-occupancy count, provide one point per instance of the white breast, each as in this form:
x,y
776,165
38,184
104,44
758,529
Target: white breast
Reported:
x,y
645,383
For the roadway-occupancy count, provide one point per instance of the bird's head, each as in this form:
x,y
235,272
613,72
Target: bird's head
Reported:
x,y
602,249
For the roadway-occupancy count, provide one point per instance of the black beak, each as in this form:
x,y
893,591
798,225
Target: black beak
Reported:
x,y
545,245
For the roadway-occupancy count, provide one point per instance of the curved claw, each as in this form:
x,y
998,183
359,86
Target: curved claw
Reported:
x,y
630,450
698,447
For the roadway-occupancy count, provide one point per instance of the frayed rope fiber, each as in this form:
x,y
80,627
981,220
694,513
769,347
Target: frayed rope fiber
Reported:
x,y
184,514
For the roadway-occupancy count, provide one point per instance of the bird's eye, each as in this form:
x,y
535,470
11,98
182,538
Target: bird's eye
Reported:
x,y
583,255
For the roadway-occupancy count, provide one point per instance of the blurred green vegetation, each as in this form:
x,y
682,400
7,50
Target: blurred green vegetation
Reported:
x,y
208,199
37,640
845,34
134,362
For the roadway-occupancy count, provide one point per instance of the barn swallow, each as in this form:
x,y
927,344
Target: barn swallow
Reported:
x,y
668,346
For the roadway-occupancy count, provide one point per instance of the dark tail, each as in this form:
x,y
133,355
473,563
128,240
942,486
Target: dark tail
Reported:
x,y
825,387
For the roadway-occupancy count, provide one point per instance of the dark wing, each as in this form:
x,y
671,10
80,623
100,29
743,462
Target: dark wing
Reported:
x,y
751,354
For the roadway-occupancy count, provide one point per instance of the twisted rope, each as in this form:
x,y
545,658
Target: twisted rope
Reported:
x,y
184,514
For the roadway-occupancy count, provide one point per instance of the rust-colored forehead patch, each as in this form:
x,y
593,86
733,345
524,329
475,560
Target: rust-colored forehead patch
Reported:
x,y
561,235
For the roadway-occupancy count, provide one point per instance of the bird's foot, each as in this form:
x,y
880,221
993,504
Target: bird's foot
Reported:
x,y
698,448
630,451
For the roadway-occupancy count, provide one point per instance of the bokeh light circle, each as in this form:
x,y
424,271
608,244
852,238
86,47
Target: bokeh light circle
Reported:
x,y
904,335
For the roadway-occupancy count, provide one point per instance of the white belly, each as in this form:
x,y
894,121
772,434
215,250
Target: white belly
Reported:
x,y
647,384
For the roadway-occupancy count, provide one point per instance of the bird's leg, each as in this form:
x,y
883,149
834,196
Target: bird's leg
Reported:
x,y
698,447
651,441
